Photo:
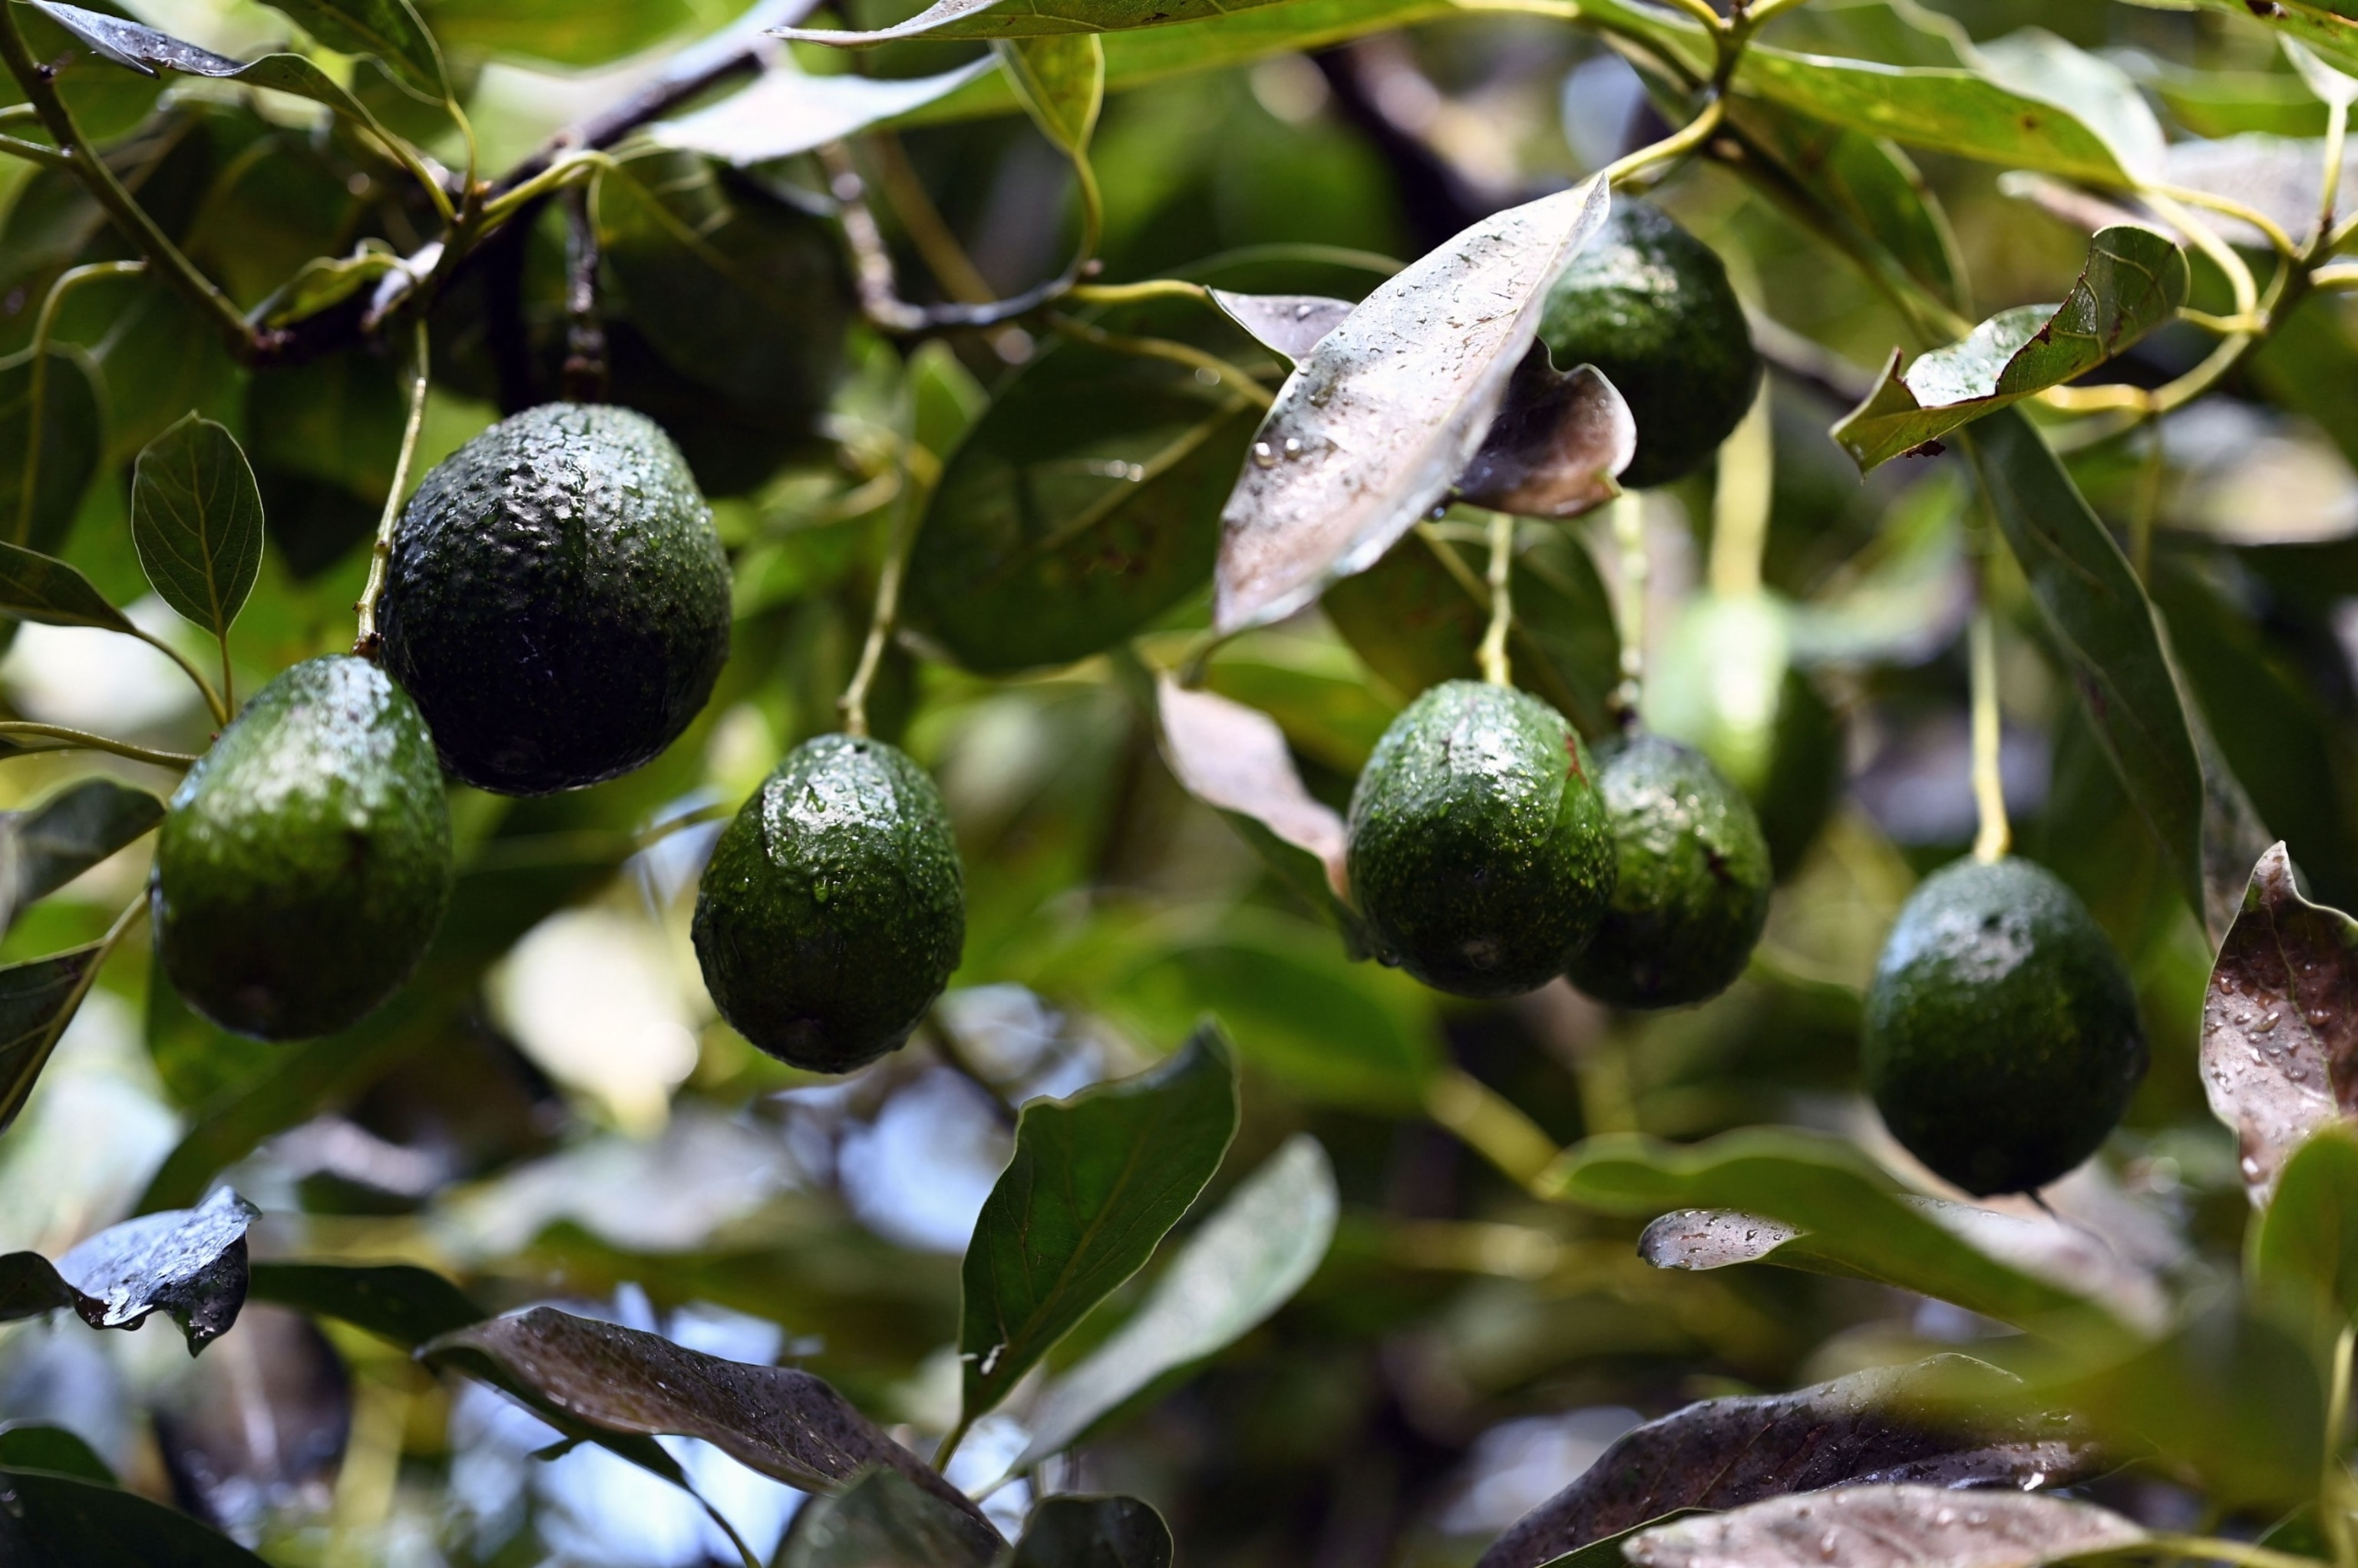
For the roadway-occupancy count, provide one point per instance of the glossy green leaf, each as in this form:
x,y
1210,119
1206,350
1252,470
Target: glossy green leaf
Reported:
x,y
26,1445
2094,91
785,112
397,1302
1070,1531
72,442
1027,20
1889,32
1095,1182
37,1001
196,517
560,32
2302,1257
1237,1269
148,51
2104,627
1825,1186
68,1522
883,1520
1888,1527
2135,281
389,30
46,846
1061,81
188,1263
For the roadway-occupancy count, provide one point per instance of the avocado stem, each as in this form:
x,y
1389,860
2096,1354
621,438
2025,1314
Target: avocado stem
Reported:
x,y
366,640
1740,503
854,702
1996,838
1502,599
1628,524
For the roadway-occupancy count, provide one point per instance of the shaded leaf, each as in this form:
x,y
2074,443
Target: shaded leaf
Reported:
x,y
785,112
388,29
782,1422
1027,20
1861,184
190,1263
881,1521
29,1286
1287,324
196,517
2104,627
44,848
1238,1267
2303,1254
72,442
1234,759
32,1446
38,1000
1094,1532
397,1301
1061,80
324,282
1888,1527
2280,1022
1826,1187
1095,1182
1556,447
1887,1426
2135,281
66,1521
35,586
1380,420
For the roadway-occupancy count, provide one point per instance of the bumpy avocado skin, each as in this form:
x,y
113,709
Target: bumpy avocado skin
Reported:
x,y
1480,853
834,909
305,862
2002,1040
1651,306
1691,892
557,600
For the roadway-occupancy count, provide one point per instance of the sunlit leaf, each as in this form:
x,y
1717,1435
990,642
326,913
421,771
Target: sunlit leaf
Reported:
x,y
1094,1532
1862,184
1061,80
196,517
2094,90
68,1522
388,29
1095,1182
1028,19
188,1263
73,441
1888,1527
1237,1267
561,32
1379,421
1886,1425
1287,324
785,112
47,846
2135,281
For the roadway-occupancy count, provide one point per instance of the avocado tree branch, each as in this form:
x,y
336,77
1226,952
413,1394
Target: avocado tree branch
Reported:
x,y
83,740
1629,523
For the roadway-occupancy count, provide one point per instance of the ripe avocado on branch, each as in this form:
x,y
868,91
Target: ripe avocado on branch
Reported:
x,y
2002,1040
305,862
557,600
834,909
1691,892
1479,854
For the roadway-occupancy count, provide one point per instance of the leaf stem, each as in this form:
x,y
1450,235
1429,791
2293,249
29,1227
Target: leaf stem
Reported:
x,y
2227,207
1230,375
2204,238
2328,197
1125,293
365,640
2211,1548
213,703
1628,524
83,740
37,406
1493,655
34,152
900,535
1693,135
1994,837
1740,503
1490,1125
949,1447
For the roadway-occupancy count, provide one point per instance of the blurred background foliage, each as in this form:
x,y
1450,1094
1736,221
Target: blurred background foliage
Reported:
x,y
553,1112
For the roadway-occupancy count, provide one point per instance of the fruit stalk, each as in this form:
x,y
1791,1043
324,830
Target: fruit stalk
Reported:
x,y
1502,599
1995,838
365,639
1629,550
854,702
1740,503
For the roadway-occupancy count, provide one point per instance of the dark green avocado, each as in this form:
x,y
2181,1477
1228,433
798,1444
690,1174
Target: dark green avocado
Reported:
x,y
833,910
2002,1038
1649,305
305,862
1479,854
1691,891
557,600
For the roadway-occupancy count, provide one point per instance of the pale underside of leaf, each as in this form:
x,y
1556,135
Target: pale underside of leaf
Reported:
x,y
1556,448
2280,1022
1887,1526
785,112
1234,759
1376,425
1026,18
1288,324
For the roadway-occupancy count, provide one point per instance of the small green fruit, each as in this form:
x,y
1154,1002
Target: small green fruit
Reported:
x,y
557,600
1479,854
833,911
1649,305
1692,889
2002,1035
305,862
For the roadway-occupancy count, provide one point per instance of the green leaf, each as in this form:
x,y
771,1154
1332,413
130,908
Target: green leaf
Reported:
x,y
785,112
72,443
1888,1527
1889,32
2105,630
1094,1532
29,1286
44,848
560,32
1061,80
37,1001
66,1521
397,1301
1095,1182
2094,91
1237,1267
1827,1187
2320,27
147,51
1083,504
31,1446
1027,20
388,29
196,517
189,1263
35,586
883,1520
2135,281
2302,1257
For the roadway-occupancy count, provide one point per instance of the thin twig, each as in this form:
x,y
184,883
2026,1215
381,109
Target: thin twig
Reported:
x,y
83,740
1492,657
585,375
1232,376
366,640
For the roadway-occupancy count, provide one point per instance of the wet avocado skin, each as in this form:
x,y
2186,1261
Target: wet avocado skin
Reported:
x,y
833,910
2002,1038
1651,306
1479,854
1691,891
557,600
305,862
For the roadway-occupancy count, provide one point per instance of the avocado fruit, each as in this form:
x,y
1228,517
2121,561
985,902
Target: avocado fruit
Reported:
x,y
557,600
1649,306
1479,855
304,864
1691,878
833,910
2002,1040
